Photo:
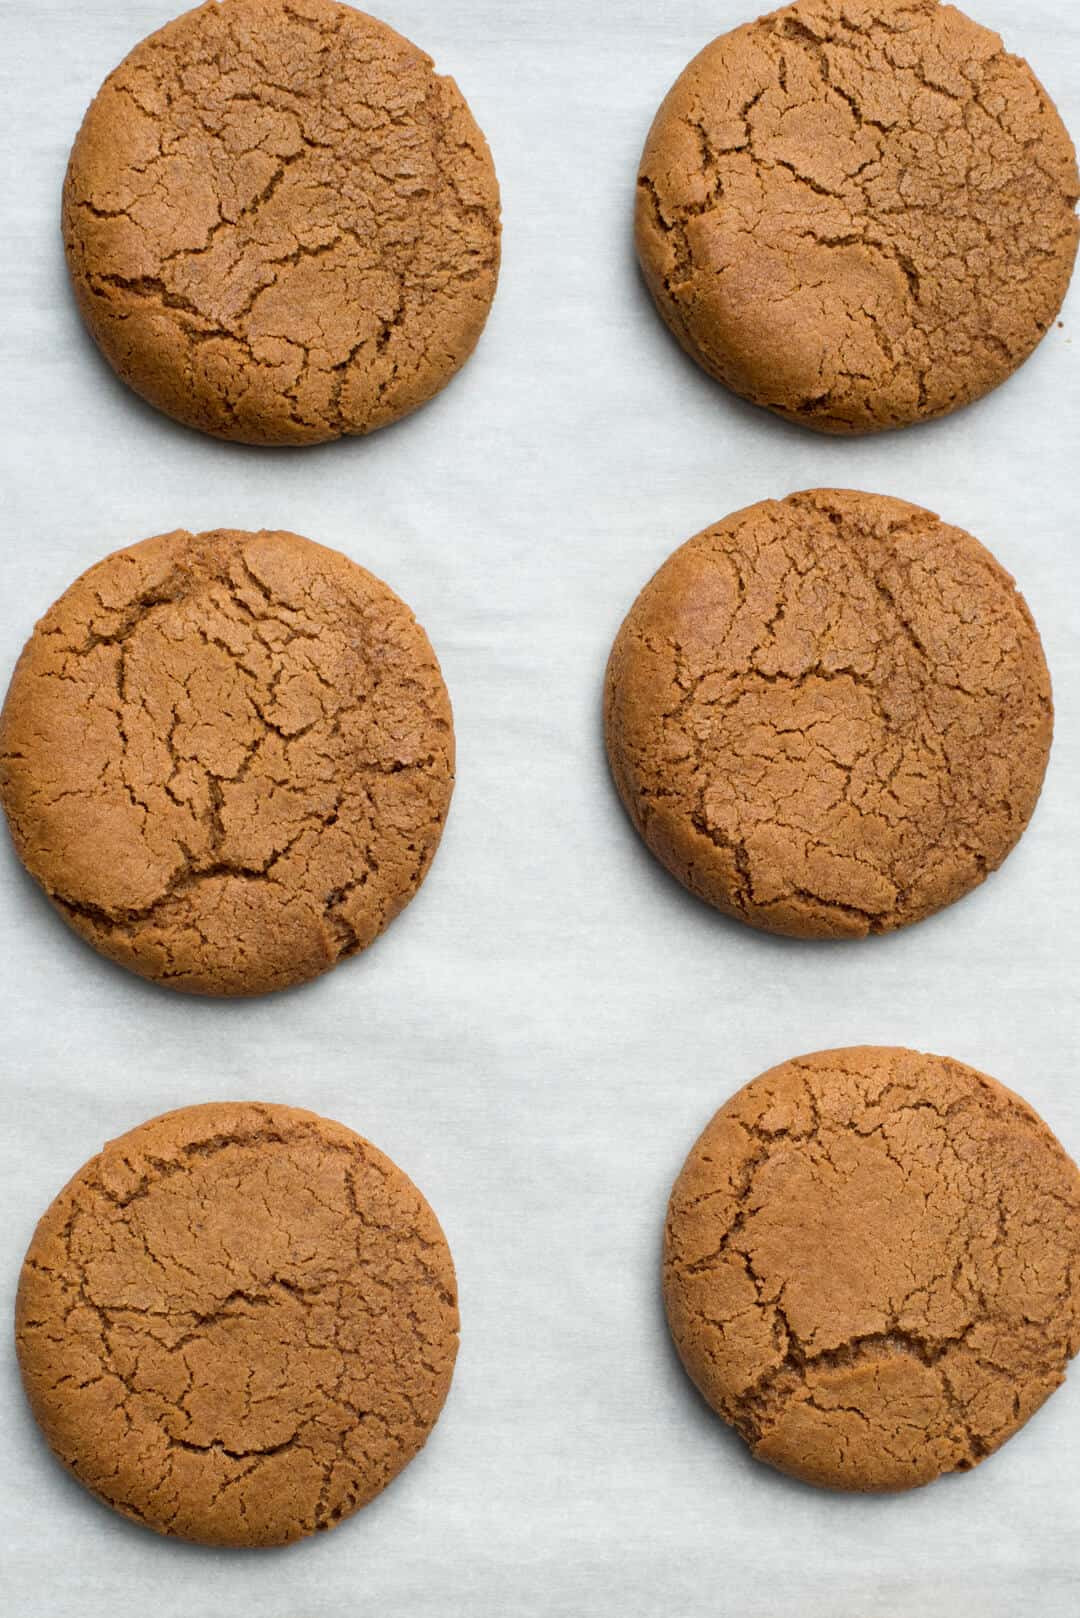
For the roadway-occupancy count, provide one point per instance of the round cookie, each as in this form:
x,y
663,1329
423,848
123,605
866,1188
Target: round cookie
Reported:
x,y
871,1266
859,215
237,1323
227,758
281,225
829,715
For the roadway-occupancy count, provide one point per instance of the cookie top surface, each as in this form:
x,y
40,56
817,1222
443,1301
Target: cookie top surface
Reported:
x,y
227,758
829,715
237,1323
281,225
871,1266
858,213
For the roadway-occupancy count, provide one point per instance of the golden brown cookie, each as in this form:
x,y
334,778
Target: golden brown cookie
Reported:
x,y
237,1323
227,758
281,225
829,715
872,1266
858,213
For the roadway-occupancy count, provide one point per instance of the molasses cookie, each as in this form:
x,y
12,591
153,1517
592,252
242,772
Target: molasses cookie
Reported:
x,y
237,1323
829,715
227,758
858,215
281,225
872,1266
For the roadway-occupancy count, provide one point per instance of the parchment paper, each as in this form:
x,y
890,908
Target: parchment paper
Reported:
x,y
541,1036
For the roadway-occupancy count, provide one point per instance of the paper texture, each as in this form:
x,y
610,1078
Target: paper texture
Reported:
x,y
541,1036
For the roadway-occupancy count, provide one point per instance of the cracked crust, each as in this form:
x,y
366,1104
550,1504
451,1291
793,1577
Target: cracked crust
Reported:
x,y
858,213
872,1266
829,715
227,758
237,1323
281,225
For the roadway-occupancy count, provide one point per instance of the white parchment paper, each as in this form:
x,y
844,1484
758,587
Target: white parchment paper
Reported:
x,y
541,1036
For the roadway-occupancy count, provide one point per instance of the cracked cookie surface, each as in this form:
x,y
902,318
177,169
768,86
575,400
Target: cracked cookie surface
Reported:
x,y
227,758
281,225
829,715
237,1323
858,213
872,1266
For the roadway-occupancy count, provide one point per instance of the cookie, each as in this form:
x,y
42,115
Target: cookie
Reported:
x,y
227,758
871,1266
237,1323
281,225
859,215
829,715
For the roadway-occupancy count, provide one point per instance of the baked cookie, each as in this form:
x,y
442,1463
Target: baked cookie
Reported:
x,y
281,225
227,758
858,213
872,1266
829,715
237,1323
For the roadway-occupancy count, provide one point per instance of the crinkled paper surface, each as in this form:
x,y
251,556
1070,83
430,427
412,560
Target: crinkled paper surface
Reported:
x,y
542,1035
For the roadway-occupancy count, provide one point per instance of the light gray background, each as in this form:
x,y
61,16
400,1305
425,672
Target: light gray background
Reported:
x,y
541,1036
